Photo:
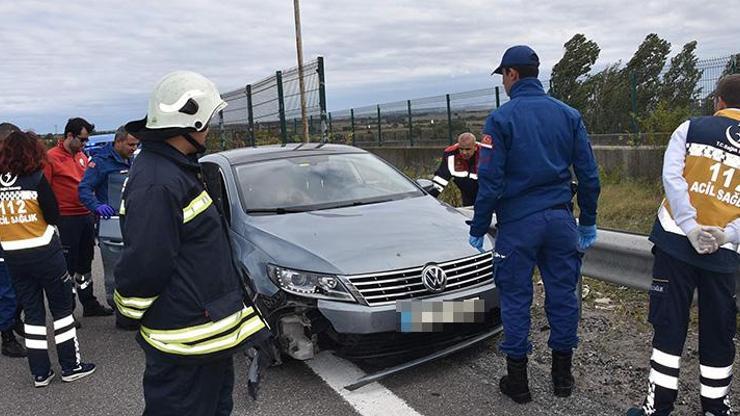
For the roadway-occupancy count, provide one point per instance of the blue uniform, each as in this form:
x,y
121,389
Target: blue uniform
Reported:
x,y
527,150
93,189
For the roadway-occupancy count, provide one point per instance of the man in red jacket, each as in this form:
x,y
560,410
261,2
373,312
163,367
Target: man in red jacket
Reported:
x,y
64,171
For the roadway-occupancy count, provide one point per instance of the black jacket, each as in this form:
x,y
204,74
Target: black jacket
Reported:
x,y
464,172
176,271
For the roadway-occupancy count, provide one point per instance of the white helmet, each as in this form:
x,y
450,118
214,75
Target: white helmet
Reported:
x,y
181,99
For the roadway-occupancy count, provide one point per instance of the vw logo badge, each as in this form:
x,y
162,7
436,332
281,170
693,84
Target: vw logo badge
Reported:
x,y
434,278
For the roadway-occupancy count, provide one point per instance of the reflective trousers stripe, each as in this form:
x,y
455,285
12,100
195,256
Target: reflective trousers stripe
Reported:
x,y
715,373
665,359
714,392
66,321
663,380
37,344
65,336
34,329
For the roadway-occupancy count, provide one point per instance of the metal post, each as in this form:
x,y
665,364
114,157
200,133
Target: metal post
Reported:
x,y
331,127
352,120
633,95
250,117
380,130
221,129
322,100
411,125
299,52
281,108
449,119
498,97
310,125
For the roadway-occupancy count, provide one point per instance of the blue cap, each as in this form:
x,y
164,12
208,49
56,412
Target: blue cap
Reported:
x,y
520,55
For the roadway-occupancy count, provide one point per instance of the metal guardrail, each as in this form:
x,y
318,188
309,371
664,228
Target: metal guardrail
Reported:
x,y
622,258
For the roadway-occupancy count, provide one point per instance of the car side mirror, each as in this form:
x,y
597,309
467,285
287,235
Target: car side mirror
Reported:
x,y
425,184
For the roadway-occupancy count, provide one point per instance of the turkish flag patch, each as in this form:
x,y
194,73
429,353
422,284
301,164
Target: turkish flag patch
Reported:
x,y
487,141
91,164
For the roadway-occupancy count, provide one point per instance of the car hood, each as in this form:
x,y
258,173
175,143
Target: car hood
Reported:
x,y
364,239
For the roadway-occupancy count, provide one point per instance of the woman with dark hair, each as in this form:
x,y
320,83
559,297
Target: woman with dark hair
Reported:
x,y
33,254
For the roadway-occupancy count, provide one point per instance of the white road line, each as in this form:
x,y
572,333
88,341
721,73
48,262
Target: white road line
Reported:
x,y
370,400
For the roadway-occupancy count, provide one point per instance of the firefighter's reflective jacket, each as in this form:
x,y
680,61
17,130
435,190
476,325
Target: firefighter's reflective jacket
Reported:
x,y
176,273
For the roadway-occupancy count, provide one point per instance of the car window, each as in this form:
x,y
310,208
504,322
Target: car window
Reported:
x,y
216,187
320,182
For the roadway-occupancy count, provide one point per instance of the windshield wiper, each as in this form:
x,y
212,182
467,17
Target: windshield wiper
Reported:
x,y
358,203
276,210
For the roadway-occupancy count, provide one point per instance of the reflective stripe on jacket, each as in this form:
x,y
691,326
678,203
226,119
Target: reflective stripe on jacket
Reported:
x,y
176,274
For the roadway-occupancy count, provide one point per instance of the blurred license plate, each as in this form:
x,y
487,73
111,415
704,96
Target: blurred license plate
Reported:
x,y
432,316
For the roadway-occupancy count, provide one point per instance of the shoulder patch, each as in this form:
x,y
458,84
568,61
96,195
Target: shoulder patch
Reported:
x,y
487,141
91,163
451,148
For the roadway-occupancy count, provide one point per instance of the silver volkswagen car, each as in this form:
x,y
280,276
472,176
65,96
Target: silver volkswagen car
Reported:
x,y
339,248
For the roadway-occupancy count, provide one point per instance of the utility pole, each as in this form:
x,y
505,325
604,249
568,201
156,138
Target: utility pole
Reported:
x,y
299,51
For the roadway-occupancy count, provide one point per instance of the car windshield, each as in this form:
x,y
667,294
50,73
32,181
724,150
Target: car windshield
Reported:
x,y
299,184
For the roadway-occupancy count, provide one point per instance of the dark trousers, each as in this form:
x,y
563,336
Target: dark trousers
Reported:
x,y
32,279
548,240
188,390
7,299
78,241
671,294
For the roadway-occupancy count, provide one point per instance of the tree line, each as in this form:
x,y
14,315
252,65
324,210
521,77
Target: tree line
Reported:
x,y
641,95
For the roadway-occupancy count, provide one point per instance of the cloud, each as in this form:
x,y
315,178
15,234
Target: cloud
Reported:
x,y
100,59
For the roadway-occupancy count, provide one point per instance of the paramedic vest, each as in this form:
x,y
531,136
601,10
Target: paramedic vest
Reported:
x,y
712,172
22,223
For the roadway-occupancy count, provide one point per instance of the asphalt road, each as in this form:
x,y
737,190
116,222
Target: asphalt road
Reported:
x,y
463,384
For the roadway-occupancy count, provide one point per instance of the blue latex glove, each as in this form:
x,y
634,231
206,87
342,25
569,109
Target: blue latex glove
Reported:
x,y
586,236
476,242
105,211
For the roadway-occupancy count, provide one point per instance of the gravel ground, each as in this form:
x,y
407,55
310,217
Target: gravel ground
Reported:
x,y
612,362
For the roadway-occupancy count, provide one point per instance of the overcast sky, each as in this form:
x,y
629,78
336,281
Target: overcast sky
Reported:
x,y
100,59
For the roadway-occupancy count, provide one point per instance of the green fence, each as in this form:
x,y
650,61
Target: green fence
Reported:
x,y
438,120
269,111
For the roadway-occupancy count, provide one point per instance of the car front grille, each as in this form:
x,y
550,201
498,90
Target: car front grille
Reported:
x,y
387,287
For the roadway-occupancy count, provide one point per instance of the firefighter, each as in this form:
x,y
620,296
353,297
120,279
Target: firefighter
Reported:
x,y
176,274
459,164
33,254
528,147
696,236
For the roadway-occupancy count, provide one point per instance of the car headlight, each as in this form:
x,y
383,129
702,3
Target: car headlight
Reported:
x,y
309,284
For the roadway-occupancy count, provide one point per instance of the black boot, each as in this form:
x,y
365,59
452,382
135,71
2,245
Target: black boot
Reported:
x,y
11,347
562,377
515,384
94,308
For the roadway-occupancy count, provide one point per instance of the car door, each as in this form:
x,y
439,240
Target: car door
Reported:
x,y
110,239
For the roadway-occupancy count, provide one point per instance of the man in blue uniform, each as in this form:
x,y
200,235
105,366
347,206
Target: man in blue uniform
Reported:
x,y
112,158
527,150
177,275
